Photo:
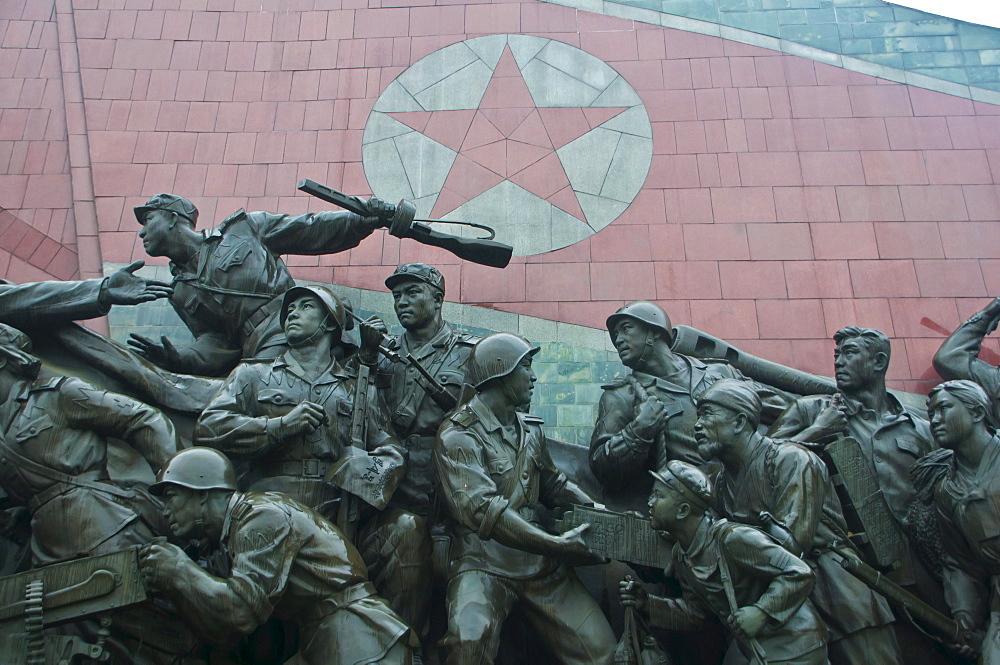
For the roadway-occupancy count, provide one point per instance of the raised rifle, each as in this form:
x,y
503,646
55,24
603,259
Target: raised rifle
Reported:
x,y
484,251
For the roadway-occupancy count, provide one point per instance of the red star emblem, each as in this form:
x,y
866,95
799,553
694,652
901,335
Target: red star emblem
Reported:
x,y
507,138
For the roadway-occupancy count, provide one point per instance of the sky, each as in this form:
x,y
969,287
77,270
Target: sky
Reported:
x,y
984,12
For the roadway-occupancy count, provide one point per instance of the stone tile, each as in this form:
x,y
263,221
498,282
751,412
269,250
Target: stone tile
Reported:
x,y
711,104
621,243
623,280
684,280
567,281
832,168
769,169
817,279
812,355
884,279
880,100
481,283
920,133
869,204
970,240
862,312
944,278
670,171
982,201
726,319
790,319
720,242
592,314
944,203
897,167
755,103
930,103
960,167
844,240
782,241
820,102
923,317
856,134
905,240
743,204
752,279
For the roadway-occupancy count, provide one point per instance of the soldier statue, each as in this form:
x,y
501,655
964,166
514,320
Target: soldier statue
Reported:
x,y
891,438
968,503
229,281
734,572
284,560
495,471
647,418
396,543
53,460
786,490
291,416
958,357
55,302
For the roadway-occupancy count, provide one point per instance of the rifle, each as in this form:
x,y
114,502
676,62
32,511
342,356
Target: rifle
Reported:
x,y
943,628
484,251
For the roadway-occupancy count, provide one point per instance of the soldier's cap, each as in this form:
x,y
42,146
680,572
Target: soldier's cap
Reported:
x,y
417,271
688,481
170,203
11,336
736,396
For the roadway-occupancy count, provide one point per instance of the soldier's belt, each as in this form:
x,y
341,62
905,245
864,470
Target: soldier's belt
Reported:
x,y
333,602
620,536
304,468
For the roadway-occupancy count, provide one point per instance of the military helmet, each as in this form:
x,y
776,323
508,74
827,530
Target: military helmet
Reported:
x,y
420,272
331,301
198,468
495,356
170,203
641,310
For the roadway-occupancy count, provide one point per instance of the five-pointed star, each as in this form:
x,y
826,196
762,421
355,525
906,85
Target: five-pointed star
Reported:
x,y
507,138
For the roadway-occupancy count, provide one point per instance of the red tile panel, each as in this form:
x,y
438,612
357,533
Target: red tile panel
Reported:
x,y
806,204
966,240
944,203
863,312
923,317
728,319
683,280
790,319
902,240
868,204
718,242
621,243
884,279
844,240
570,280
959,167
942,278
743,204
752,279
625,280
762,168
788,241
832,168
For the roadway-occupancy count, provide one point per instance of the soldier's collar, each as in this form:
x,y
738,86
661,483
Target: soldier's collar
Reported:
x,y
334,370
485,414
439,340
894,407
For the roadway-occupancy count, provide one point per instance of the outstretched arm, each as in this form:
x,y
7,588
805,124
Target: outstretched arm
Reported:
x,y
958,357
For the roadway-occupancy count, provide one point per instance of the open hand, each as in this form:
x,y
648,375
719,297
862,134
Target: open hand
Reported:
x,y
124,287
574,551
164,354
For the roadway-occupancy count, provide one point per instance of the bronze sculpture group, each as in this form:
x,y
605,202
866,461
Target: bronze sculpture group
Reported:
x,y
359,497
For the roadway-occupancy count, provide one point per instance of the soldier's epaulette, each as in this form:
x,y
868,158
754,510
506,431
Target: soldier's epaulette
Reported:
x,y
257,360
715,361
466,338
242,509
46,384
235,217
464,417
620,382
532,419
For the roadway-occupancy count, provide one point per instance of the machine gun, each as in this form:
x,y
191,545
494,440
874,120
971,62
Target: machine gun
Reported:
x,y
64,592
484,251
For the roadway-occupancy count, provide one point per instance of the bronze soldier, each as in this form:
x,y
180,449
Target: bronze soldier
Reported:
x,y
53,460
291,416
968,502
284,560
396,543
647,418
229,281
494,471
891,438
786,490
55,302
730,571
958,357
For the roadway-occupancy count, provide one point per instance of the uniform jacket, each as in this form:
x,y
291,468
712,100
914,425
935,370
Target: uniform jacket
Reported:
x,y
230,293
48,303
793,485
484,471
763,575
414,414
244,420
61,426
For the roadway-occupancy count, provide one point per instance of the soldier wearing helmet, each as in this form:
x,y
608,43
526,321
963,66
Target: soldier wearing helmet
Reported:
x,y
285,561
229,281
290,417
647,418
397,543
495,473
54,435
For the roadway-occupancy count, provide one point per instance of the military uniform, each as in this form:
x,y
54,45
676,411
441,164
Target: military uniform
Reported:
x,y
47,303
959,355
286,562
484,470
396,543
53,459
969,506
763,575
619,457
793,486
244,420
229,294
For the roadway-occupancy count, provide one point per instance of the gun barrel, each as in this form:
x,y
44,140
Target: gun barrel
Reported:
x,y
349,203
484,252
945,629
